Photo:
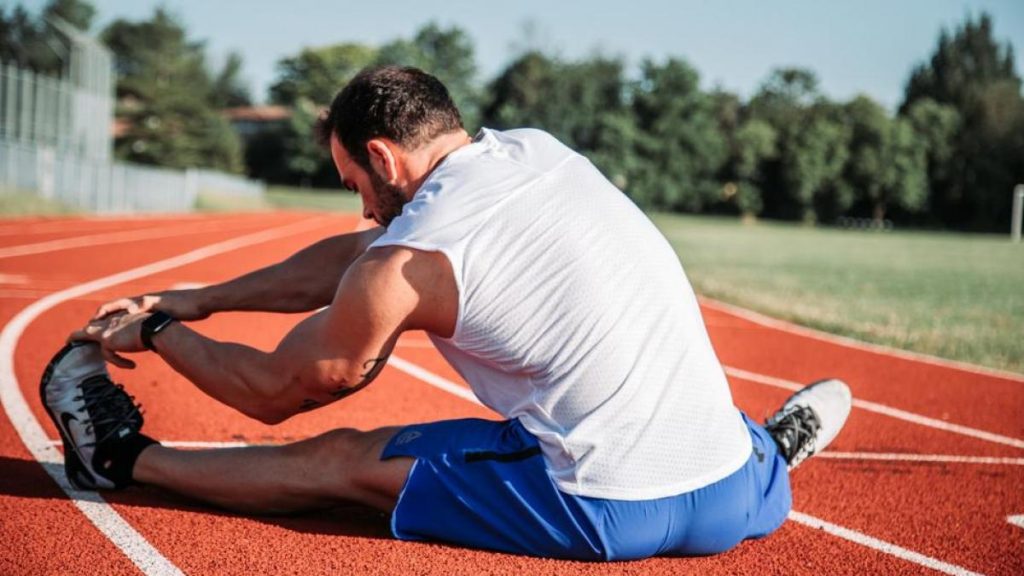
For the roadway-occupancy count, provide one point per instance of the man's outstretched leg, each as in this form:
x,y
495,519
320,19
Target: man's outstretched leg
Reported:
x,y
339,466
104,448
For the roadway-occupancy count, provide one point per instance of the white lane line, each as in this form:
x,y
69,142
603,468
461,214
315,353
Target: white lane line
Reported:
x,y
941,458
190,444
109,238
22,294
36,294
96,509
885,410
784,326
433,379
880,545
14,279
1016,520
834,529
82,224
187,286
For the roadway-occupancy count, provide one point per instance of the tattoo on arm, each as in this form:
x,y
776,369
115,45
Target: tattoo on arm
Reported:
x,y
375,366
372,366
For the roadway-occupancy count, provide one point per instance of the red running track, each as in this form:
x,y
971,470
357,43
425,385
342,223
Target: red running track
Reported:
x,y
927,476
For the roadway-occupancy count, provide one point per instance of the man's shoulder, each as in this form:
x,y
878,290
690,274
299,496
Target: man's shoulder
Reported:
x,y
529,148
524,135
423,278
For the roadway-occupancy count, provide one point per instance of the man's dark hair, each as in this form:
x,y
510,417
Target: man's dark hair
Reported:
x,y
404,104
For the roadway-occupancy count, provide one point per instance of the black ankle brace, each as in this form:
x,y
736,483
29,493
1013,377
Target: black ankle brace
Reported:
x,y
116,459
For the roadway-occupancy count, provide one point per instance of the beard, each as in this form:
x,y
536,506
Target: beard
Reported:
x,y
390,199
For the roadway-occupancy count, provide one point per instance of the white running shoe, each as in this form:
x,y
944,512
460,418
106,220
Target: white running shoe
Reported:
x,y
810,420
98,421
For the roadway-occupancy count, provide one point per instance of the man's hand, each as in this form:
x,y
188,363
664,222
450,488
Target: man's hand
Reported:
x,y
182,304
120,332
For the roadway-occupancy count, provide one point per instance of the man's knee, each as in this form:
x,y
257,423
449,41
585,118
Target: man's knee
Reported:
x,y
343,464
337,449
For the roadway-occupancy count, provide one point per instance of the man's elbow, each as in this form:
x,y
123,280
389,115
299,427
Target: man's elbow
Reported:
x,y
273,418
265,413
265,402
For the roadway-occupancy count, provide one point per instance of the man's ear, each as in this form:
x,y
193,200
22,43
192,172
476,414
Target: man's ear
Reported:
x,y
383,159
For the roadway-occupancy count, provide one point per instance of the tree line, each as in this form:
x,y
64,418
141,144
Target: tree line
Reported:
x,y
948,157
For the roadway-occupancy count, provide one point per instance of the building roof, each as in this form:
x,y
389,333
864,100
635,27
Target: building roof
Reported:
x,y
257,113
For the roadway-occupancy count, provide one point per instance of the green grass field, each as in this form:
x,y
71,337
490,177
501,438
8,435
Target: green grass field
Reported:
x,y
305,199
281,198
15,203
957,296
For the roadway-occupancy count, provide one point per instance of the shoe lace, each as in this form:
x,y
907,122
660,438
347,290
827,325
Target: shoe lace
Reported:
x,y
794,430
109,407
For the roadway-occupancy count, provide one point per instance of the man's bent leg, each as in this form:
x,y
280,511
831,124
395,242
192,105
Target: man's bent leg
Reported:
x,y
338,466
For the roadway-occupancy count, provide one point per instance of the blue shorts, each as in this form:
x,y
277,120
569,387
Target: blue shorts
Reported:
x,y
483,484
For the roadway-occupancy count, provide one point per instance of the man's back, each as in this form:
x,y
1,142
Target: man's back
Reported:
x,y
575,317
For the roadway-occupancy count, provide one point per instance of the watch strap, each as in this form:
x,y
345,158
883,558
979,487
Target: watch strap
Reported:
x,y
152,326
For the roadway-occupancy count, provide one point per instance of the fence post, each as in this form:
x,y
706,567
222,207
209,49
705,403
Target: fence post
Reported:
x,y
1018,208
191,189
47,167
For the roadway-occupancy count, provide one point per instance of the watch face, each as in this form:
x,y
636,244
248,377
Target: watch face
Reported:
x,y
152,326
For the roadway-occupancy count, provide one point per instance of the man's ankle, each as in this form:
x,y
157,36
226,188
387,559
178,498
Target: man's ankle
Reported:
x,y
117,459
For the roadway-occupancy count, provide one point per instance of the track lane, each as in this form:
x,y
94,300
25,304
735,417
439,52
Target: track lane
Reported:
x,y
42,532
367,545
33,435
32,228
981,401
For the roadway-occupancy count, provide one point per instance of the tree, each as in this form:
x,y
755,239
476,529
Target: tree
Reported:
x,y
581,103
802,180
975,74
75,12
317,74
679,138
887,166
991,148
228,89
962,63
165,94
23,42
30,41
750,143
447,54
936,126
304,156
812,157
755,142
524,94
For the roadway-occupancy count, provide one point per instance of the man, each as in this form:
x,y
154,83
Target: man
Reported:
x,y
552,295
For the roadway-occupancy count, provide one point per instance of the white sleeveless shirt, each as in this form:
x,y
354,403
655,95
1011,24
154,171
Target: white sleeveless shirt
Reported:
x,y
575,317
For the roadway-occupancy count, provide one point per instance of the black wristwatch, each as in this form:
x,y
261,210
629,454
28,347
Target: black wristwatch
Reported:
x,y
154,325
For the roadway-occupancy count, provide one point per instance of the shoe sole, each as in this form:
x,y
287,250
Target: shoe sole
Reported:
x,y
73,465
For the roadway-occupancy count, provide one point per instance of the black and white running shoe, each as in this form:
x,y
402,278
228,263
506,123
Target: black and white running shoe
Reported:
x,y
98,421
810,420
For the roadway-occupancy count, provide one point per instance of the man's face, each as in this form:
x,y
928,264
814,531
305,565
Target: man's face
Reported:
x,y
382,202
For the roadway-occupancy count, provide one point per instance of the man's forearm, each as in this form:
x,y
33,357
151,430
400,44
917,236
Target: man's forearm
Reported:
x,y
234,374
305,281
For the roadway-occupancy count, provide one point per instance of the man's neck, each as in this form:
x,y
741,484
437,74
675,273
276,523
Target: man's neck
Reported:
x,y
421,163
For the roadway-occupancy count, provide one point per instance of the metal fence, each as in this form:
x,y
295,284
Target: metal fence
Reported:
x,y
55,139
43,110
104,186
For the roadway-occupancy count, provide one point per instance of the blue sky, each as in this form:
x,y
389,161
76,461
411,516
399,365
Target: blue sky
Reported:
x,y
859,46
